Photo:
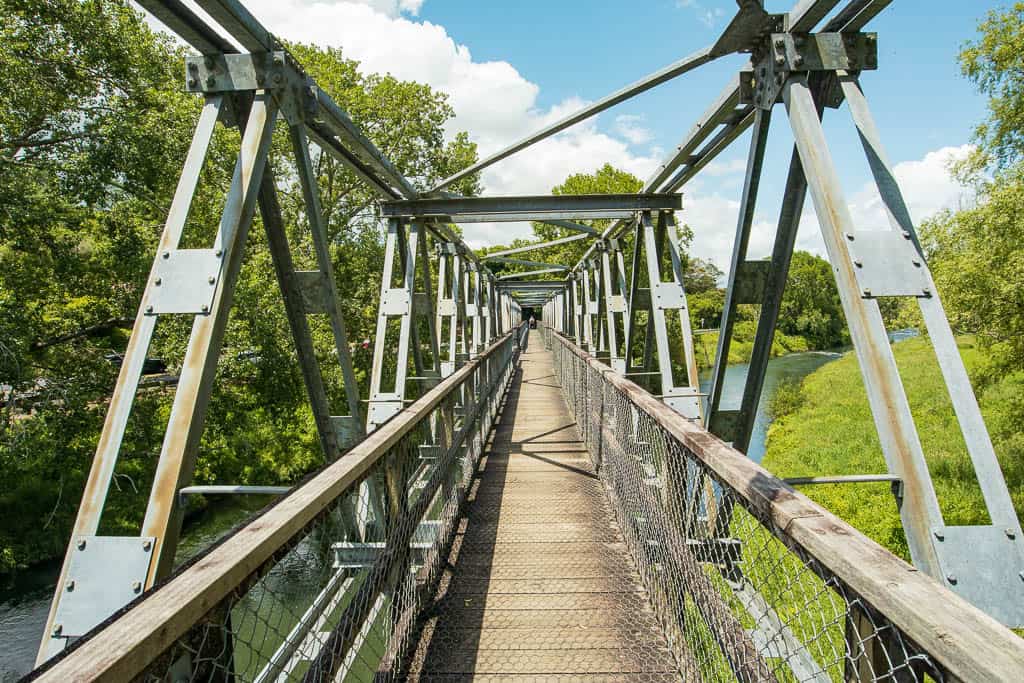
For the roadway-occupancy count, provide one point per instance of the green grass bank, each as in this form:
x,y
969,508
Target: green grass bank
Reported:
x,y
824,426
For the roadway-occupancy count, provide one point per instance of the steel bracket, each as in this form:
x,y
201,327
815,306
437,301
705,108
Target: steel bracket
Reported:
x,y
273,71
104,574
396,301
985,566
347,429
669,296
887,263
800,52
184,281
312,287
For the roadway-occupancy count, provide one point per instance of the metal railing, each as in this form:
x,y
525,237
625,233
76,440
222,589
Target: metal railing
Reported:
x,y
328,583
751,580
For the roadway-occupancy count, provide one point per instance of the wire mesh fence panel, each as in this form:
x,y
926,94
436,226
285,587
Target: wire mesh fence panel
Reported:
x,y
738,598
339,597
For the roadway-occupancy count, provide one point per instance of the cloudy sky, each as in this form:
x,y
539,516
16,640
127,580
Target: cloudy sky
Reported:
x,y
511,67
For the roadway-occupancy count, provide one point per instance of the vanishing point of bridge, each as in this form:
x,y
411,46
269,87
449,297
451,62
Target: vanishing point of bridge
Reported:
x,y
566,502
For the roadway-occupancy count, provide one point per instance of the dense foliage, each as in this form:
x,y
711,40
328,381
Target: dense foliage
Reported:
x,y
93,130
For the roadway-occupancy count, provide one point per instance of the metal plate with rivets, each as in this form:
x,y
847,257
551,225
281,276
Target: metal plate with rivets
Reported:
x,y
105,573
395,302
985,566
184,281
668,295
886,263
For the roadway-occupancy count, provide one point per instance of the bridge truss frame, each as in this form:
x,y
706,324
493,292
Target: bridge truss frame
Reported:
x,y
607,307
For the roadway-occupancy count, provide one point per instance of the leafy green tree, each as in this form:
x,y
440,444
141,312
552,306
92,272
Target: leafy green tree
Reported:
x,y
94,126
810,305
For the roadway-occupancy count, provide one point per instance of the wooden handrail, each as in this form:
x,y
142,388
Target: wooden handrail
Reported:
x,y
121,647
966,642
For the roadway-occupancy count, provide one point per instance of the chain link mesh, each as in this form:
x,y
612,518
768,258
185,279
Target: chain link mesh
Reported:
x,y
738,599
340,600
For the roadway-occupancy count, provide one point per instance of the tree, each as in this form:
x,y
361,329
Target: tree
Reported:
x,y
995,62
94,126
810,306
701,276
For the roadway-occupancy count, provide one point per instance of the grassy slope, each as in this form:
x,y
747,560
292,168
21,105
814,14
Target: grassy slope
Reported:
x,y
830,431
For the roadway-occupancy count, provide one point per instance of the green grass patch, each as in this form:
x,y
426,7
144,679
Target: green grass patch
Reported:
x,y
825,427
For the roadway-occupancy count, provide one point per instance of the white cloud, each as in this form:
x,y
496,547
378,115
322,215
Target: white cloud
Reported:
x,y
708,16
630,127
927,184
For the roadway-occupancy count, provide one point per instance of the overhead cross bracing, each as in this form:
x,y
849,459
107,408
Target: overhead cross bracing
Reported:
x,y
445,347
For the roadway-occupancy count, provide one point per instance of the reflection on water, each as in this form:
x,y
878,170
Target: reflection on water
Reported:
x,y
794,366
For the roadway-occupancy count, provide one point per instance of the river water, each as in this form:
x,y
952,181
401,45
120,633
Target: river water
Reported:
x,y
25,600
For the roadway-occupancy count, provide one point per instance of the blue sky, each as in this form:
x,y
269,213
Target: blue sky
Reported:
x,y
511,67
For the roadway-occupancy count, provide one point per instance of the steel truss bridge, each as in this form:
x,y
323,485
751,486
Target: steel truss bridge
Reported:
x,y
519,506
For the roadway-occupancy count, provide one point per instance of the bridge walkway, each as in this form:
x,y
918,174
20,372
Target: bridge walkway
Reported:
x,y
539,581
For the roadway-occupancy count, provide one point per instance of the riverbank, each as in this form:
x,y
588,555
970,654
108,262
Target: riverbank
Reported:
x,y
742,346
824,426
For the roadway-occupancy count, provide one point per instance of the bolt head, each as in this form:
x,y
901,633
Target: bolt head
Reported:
x,y
211,279
939,535
951,578
906,234
916,262
146,545
81,544
69,586
779,42
780,60
192,82
137,587
149,309
211,80
57,628
1010,533
798,60
218,253
858,263
166,254
157,281
849,236
192,66
867,292
205,308
208,61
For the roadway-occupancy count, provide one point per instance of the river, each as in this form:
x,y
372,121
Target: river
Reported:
x,y
24,601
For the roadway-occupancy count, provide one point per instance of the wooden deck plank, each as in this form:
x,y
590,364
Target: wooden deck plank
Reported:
x,y
539,582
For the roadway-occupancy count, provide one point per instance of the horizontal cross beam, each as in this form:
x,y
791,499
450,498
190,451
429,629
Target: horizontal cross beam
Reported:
x,y
542,271
531,208
533,247
523,262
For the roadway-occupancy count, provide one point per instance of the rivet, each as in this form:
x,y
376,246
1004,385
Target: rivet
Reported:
x,y
218,253
867,292
849,236
57,628
927,292
939,535
211,80
951,578
916,262
157,281
205,308
166,254
780,43
211,279
906,234
137,587
81,544
1021,575
1010,533
798,60
70,586
780,60
149,309
278,61
146,545
192,82
192,66
209,62
858,263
